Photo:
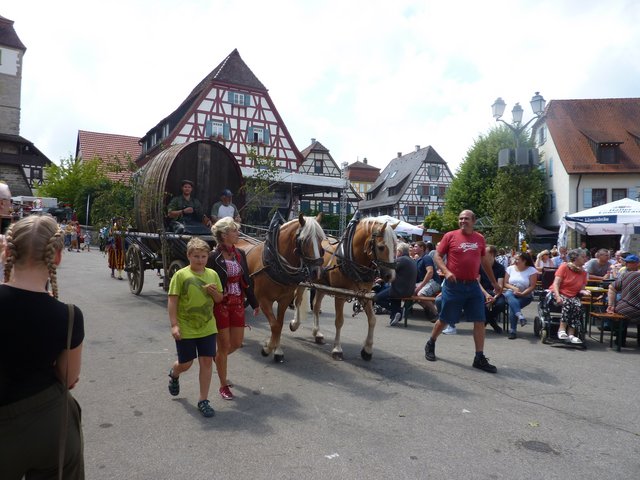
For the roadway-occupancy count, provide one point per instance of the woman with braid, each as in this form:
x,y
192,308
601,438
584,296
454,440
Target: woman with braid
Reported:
x,y
34,360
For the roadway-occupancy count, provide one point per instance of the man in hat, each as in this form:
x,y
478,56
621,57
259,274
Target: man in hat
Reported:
x,y
185,208
224,208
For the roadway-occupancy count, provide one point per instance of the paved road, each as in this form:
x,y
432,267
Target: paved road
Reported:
x,y
550,412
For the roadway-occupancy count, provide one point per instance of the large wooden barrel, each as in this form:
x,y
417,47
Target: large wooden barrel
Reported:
x,y
208,164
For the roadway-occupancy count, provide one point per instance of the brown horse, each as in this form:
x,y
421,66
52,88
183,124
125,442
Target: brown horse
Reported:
x,y
366,251
292,253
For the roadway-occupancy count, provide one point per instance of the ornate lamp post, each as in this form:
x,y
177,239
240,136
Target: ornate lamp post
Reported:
x,y
525,158
537,105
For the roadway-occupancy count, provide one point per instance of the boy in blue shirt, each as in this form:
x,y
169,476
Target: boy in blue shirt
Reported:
x,y
192,292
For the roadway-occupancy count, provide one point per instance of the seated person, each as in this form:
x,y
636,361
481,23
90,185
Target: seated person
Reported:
x,y
402,285
598,268
186,212
494,303
428,280
571,281
224,208
544,260
519,284
624,293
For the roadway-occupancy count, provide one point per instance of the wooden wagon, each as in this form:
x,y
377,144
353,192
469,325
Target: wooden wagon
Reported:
x,y
151,244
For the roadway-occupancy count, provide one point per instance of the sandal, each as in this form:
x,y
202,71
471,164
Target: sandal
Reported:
x,y
174,384
205,408
562,335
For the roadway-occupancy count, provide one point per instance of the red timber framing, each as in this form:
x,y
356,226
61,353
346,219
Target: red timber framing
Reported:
x,y
230,106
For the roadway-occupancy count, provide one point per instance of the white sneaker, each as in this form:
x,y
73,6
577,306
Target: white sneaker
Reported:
x,y
396,319
450,330
574,340
523,321
562,335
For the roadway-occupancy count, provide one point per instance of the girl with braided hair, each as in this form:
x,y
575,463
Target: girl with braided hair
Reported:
x,y
34,360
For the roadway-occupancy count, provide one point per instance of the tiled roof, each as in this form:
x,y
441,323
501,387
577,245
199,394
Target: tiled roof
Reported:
x,y
576,125
362,165
8,36
315,146
111,149
406,167
232,70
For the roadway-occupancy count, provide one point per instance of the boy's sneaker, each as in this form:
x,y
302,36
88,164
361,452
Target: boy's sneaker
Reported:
x,y
430,351
174,384
395,320
482,363
450,330
205,408
225,393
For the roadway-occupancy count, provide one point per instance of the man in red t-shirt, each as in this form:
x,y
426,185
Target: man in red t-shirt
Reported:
x,y
465,252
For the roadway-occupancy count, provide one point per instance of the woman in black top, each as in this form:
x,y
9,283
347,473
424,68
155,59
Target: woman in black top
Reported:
x,y
34,359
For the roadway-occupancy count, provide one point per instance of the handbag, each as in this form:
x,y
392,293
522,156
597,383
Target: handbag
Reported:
x,y
65,410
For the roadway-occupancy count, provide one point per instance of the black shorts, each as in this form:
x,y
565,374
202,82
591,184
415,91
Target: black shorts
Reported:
x,y
190,348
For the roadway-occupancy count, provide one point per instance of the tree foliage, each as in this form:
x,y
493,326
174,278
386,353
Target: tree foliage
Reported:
x,y
518,195
258,189
72,182
472,186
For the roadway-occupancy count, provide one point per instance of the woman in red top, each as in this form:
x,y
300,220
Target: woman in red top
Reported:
x,y
570,281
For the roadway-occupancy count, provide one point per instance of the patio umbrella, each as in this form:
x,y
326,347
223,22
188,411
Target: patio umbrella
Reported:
x,y
621,217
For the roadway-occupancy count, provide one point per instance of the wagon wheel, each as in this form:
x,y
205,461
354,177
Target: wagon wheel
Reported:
x,y
173,268
134,269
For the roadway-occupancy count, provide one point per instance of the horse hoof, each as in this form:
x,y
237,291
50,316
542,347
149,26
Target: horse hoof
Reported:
x,y
278,358
293,326
264,352
365,356
337,356
320,340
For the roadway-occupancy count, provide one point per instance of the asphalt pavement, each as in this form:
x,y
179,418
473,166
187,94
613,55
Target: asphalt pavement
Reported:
x,y
550,412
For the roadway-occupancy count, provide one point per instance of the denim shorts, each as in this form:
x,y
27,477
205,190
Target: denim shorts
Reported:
x,y
459,296
190,348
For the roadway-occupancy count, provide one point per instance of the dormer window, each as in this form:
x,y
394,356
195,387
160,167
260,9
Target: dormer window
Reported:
x,y
165,130
393,174
608,153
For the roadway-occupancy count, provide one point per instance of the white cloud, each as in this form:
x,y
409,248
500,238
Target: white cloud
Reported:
x,y
364,78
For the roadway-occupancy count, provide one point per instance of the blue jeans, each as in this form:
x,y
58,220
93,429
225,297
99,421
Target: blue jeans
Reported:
x,y
393,305
516,304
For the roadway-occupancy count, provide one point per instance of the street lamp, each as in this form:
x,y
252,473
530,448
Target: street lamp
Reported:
x,y
537,105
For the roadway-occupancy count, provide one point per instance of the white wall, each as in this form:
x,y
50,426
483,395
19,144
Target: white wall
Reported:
x,y
9,65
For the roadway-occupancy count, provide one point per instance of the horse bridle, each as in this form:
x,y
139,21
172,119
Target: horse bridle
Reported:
x,y
299,251
374,252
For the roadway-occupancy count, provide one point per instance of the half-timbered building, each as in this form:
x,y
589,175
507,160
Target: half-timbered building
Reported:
x,y
410,187
21,163
233,107
317,161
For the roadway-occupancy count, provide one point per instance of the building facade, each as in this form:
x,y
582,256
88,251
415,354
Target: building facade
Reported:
x,y
410,187
590,150
21,163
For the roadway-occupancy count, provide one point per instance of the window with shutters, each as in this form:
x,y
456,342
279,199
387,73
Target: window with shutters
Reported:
x,y
434,172
237,98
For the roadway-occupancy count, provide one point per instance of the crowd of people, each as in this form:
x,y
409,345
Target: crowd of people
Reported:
x,y
517,276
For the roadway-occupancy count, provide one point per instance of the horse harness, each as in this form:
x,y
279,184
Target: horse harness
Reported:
x,y
276,266
350,267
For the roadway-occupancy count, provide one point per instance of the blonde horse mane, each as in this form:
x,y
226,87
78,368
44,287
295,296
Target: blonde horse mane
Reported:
x,y
311,229
389,237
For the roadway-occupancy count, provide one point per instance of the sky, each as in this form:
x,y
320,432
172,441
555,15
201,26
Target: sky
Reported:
x,y
366,78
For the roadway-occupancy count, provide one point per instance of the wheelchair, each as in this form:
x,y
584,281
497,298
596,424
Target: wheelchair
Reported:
x,y
546,323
